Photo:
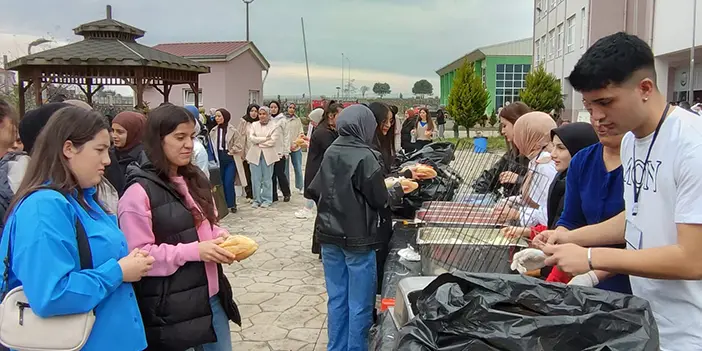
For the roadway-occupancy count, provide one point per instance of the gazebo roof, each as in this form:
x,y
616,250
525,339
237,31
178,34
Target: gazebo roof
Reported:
x,y
108,42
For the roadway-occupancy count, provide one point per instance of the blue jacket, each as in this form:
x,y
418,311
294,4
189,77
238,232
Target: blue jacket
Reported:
x,y
45,262
592,196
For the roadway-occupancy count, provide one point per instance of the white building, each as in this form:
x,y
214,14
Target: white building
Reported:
x,y
564,29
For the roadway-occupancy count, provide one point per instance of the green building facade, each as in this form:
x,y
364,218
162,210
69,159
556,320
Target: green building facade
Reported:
x,y
503,68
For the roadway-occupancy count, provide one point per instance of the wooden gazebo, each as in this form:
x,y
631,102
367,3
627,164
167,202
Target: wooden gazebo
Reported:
x,y
107,55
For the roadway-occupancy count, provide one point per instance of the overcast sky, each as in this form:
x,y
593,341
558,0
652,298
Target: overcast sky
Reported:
x,y
393,41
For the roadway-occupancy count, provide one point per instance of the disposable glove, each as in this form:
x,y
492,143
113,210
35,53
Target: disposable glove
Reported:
x,y
528,260
588,279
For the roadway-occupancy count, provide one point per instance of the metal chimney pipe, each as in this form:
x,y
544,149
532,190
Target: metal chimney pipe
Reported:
x,y
109,11
4,61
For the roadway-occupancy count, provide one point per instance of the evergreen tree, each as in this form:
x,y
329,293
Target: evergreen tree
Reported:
x,y
468,98
542,91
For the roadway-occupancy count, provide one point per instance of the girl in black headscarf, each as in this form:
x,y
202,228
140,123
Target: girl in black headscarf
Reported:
x,y
250,117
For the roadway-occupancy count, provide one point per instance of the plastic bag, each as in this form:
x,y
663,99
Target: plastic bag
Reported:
x,y
439,152
489,312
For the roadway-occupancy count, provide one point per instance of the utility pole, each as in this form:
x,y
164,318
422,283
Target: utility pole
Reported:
x,y
247,2
342,76
691,92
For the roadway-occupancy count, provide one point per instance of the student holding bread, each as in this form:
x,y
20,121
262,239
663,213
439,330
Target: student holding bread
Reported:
x,y
350,193
168,212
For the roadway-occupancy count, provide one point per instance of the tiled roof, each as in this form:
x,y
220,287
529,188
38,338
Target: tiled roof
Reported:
x,y
202,50
108,52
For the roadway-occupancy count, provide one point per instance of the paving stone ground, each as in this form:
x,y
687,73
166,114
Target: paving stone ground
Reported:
x,y
280,289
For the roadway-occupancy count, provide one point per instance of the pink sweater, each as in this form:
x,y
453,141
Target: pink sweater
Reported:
x,y
135,221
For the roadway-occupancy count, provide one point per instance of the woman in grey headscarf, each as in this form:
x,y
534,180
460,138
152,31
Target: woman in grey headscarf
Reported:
x,y
350,191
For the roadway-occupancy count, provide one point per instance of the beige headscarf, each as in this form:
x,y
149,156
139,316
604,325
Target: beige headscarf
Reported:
x,y
79,103
532,132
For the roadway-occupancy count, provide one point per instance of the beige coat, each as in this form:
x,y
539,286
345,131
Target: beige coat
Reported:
x,y
236,140
264,140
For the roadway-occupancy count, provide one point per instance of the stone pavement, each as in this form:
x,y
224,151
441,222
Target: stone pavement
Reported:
x,y
280,289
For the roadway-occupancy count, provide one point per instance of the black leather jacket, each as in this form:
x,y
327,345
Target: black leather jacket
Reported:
x,y
350,193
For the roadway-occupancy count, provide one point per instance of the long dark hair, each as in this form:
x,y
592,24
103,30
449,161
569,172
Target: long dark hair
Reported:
x,y
430,123
163,121
385,143
48,164
332,108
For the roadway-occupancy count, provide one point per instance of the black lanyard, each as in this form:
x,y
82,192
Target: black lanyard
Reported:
x,y
637,188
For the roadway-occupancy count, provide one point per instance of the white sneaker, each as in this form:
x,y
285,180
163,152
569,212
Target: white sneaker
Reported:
x,y
303,214
301,192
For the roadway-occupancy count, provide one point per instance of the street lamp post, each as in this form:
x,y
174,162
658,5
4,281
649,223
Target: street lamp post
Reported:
x,y
247,2
691,93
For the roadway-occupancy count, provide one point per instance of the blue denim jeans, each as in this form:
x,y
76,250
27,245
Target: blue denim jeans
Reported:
x,y
227,169
296,159
220,322
262,179
351,286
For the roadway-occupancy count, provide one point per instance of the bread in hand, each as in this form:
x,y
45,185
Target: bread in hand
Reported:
x,y
408,185
241,246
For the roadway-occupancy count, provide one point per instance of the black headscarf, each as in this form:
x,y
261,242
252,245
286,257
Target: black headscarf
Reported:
x,y
575,137
34,121
280,107
227,117
247,117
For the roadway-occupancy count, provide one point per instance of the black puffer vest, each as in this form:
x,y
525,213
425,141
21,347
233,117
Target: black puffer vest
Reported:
x,y
176,309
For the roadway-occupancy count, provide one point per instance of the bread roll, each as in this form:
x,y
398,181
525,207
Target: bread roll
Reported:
x,y
241,246
427,171
408,185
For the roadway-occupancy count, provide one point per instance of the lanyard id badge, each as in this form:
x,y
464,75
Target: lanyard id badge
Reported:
x,y
633,235
637,187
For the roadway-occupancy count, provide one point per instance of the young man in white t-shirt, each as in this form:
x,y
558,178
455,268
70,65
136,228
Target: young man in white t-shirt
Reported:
x,y
662,221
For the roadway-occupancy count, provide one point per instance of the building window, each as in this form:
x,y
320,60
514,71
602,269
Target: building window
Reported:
x,y
189,97
509,80
537,49
570,37
539,10
551,43
254,96
583,27
559,43
544,48
554,4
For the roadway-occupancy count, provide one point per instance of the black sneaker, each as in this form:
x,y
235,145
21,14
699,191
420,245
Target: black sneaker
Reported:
x,y
232,210
286,199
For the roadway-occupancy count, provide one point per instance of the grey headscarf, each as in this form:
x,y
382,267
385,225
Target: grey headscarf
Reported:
x,y
357,121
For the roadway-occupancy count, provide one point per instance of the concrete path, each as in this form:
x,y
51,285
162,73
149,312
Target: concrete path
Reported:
x,y
280,289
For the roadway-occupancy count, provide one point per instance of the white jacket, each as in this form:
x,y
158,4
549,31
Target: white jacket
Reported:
x,y
294,129
283,144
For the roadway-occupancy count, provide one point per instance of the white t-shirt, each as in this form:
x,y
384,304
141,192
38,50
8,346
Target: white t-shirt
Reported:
x,y
671,192
544,172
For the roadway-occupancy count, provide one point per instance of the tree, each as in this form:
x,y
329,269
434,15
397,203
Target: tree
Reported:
x,y
493,118
381,89
542,91
468,98
350,88
364,90
422,87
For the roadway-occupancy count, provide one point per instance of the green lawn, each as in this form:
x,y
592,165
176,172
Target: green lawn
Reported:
x,y
495,144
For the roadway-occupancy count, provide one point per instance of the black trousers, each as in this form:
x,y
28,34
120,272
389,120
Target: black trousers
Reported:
x,y
247,189
279,179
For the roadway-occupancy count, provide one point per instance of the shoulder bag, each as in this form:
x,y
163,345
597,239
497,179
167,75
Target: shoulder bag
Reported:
x,y
21,329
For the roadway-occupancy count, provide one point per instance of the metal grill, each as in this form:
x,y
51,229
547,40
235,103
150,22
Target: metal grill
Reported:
x,y
464,232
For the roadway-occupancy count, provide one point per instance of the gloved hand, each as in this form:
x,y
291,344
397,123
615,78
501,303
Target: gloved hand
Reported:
x,y
528,260
588,279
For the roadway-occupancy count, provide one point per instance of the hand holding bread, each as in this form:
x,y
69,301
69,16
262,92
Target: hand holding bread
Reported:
x,y
422,171
240,246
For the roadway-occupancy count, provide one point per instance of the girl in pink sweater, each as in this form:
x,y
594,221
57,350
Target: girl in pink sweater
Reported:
x,y
168,211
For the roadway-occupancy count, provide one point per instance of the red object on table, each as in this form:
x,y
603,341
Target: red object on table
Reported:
x,y
385,303
556,275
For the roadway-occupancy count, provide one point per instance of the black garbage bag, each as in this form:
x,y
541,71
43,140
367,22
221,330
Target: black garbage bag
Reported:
x,y
439,152
441,188
489,312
